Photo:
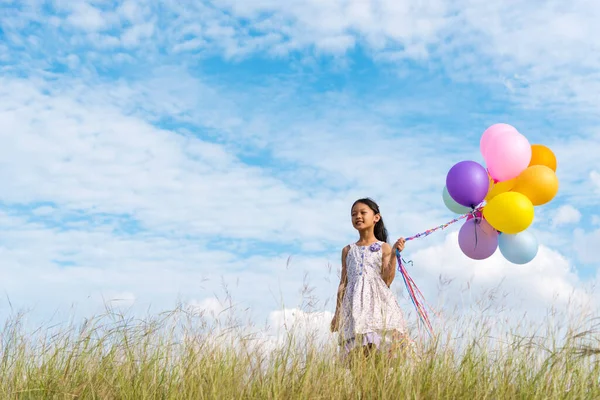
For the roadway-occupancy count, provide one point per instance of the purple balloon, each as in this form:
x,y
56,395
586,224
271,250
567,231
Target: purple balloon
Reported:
x,y
468,183
478,239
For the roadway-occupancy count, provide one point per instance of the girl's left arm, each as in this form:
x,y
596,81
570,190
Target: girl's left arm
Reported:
x,y
388,265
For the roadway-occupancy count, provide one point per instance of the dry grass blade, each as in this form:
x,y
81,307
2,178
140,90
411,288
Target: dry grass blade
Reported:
x,y
183,354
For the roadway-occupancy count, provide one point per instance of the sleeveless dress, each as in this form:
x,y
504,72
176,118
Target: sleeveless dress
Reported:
x,y
370,313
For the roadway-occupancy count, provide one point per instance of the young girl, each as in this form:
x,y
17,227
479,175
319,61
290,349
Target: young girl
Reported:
x,y
367,314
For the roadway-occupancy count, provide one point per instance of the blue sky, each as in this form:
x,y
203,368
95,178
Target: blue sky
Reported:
x,y
152,152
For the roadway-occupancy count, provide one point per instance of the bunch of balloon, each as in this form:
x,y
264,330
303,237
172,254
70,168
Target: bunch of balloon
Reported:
x,y
522,176
501,197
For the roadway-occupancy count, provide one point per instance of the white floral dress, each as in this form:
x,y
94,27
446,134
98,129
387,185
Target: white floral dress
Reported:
x,y
370,313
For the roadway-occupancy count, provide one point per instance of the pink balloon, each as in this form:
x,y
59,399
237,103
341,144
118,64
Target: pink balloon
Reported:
x,y
491,133
507,156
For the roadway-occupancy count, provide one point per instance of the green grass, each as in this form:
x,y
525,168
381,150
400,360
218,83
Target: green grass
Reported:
x,y
183,356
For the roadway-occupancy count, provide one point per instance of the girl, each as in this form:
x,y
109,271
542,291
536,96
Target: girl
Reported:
x,y
367,313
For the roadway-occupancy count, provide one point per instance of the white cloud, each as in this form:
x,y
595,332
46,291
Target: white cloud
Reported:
x,y
320,23
44,210
48,269
307,325
566,215
118,299
525,44
532,287
595,177
132,36
210,305
190,45
133,11
144,171
535,43
90,156
87,17
586,245
542,52
291,329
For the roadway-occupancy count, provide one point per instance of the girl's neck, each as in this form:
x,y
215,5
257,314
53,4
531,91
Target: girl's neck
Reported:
x,y
366,237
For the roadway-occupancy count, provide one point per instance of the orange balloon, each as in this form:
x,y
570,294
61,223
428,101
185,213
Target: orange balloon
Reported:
x,y
539,183
542,155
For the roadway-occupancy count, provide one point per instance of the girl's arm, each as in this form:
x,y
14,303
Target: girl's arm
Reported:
x,y
341,289
388,265
389,260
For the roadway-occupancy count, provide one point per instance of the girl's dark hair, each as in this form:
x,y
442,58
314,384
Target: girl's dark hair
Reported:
x,y
380,232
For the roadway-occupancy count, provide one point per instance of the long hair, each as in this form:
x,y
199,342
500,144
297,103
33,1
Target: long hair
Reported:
x,y
380,231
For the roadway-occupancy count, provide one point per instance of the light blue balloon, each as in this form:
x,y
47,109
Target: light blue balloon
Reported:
x,y
520,248
452,204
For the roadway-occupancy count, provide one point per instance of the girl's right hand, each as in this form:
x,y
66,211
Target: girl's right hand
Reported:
x,y
399,245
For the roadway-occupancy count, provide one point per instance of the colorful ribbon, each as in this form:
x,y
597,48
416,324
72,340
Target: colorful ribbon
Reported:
x,y
411,287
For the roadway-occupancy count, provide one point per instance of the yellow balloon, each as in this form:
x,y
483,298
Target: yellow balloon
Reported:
x,y
539,183
499,187
509,212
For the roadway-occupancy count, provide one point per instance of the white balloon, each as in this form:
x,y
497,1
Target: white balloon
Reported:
x,y
520,248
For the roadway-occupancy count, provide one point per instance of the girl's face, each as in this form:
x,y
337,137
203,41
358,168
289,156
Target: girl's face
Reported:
x,y
363,217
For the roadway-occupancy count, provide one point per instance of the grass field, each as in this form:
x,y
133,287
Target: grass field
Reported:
x,y
179,355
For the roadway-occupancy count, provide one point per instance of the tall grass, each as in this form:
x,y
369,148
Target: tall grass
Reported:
x,y
185,355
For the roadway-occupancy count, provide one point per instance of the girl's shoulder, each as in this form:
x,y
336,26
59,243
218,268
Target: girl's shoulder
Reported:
x,y
346,249
386,246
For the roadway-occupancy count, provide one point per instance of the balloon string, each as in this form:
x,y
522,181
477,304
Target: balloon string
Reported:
x,y
414,293
475,225
428,232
